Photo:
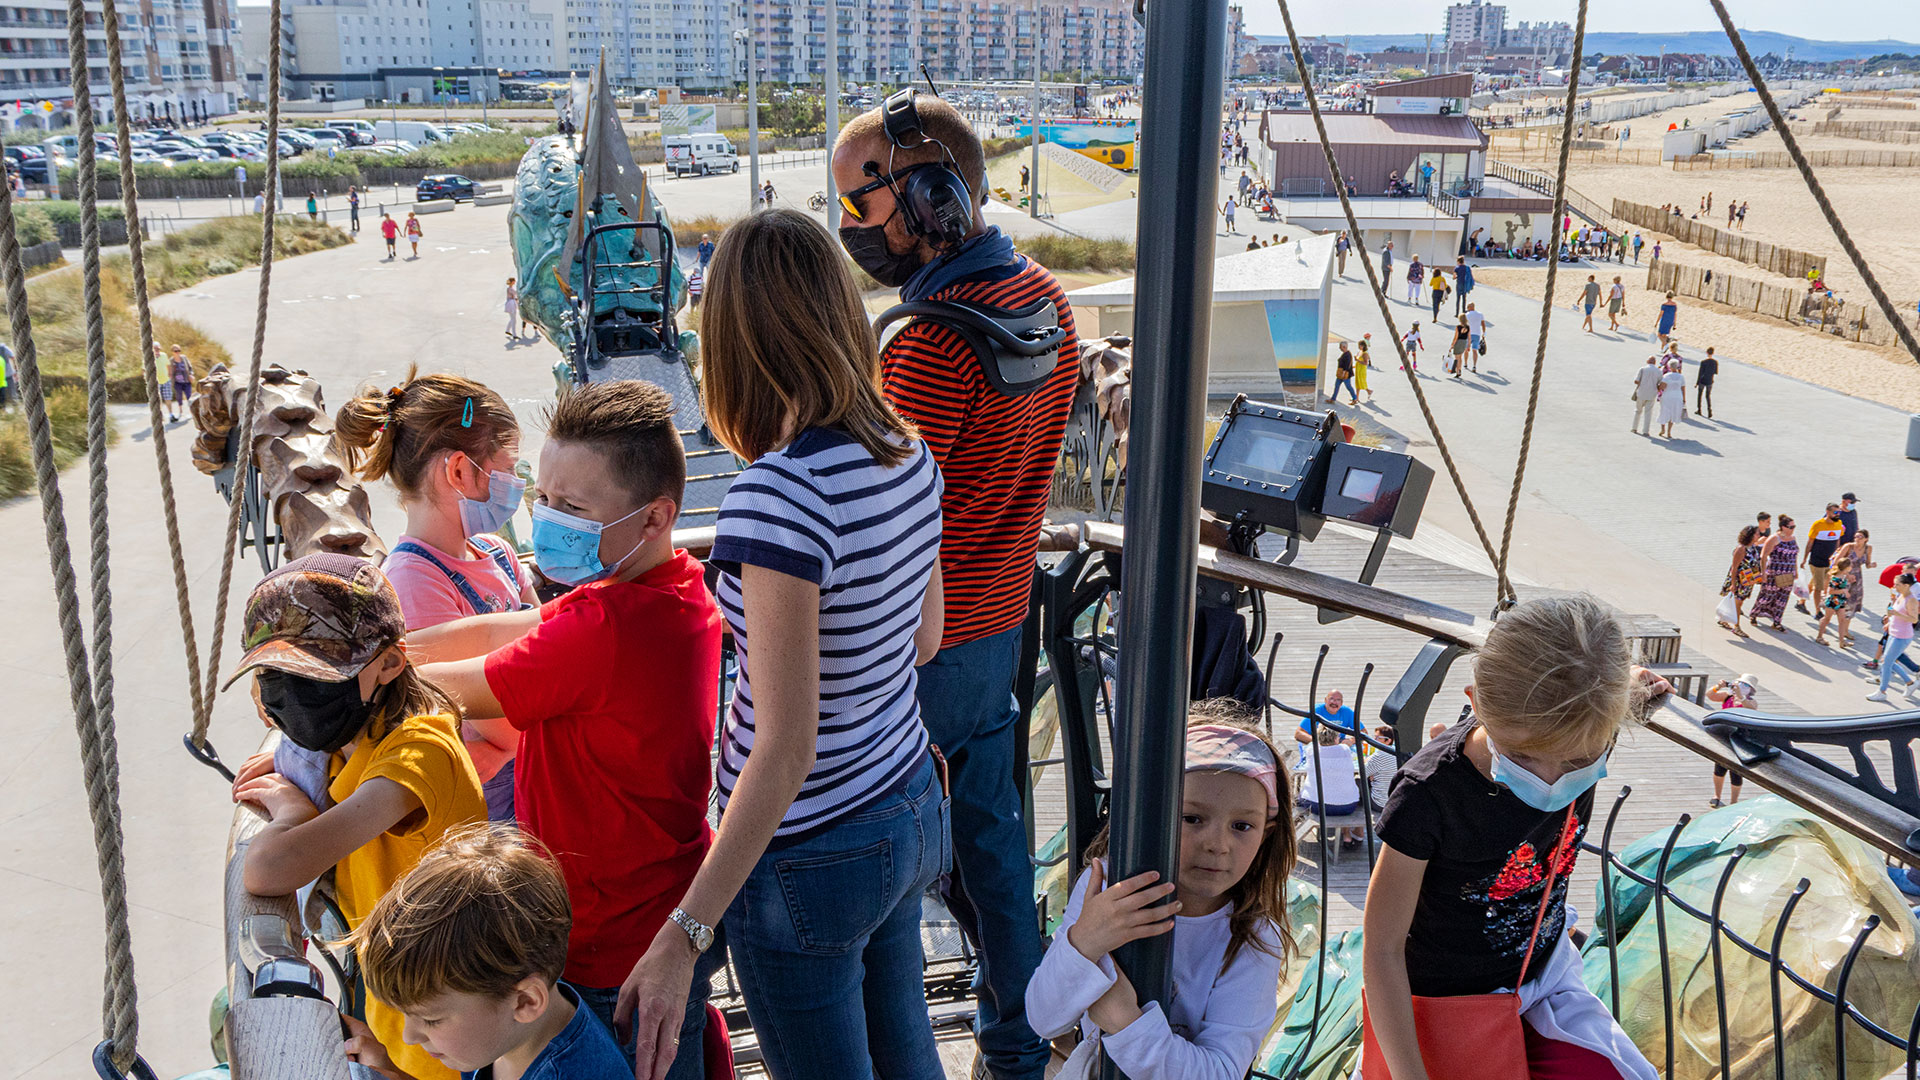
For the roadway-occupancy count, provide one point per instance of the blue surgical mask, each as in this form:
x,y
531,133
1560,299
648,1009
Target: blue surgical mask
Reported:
x,y
1539,794
504,491
566,548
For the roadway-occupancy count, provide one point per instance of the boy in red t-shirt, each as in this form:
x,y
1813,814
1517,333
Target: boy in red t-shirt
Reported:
x,y
611,689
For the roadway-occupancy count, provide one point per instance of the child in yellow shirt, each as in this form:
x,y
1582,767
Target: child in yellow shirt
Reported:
x,y
324,636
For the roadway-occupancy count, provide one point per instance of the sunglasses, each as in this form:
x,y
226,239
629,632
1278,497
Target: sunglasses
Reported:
x,y
849,200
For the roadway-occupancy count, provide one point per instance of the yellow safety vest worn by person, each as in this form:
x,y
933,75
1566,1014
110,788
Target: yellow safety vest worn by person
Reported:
x,y
424,755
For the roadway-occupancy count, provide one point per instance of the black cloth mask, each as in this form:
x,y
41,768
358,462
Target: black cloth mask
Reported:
x,y
867,246
314,715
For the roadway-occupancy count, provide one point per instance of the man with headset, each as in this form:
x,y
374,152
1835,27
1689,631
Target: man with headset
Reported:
x,y
992,405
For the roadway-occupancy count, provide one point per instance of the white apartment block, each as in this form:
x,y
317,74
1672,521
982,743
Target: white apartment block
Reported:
x,y
1554,39
178,60
889,40
649,43
1475,23
395,49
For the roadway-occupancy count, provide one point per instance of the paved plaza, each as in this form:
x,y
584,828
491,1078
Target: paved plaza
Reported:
x,y
1646,524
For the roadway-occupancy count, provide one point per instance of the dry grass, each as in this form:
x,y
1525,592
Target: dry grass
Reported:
x,y
67,414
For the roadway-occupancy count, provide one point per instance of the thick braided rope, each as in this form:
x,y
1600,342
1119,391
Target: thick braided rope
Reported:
x,y
1507,595
130,197
1813,184
1380,294
243,450
119,1019
119,994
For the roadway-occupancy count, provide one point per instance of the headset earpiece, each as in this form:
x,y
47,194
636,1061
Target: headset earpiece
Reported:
x,y
935,202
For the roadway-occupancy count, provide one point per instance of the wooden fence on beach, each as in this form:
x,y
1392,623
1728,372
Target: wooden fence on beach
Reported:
x,y
1819,159
1886,131
1798,306
1785,261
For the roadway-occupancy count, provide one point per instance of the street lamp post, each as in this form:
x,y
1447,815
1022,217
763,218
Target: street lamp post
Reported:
x,y
440,88
833,104
744,36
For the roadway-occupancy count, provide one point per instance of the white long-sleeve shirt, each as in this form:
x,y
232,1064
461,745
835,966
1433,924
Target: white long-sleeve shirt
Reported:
x,y
1211,1030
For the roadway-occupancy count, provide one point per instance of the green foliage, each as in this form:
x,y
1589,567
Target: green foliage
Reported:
x,y
1064,252
67,211
33,224
1405,73
793,115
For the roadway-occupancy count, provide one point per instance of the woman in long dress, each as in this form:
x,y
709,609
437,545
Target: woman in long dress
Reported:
x,y
1779,559
1672,398
1742,573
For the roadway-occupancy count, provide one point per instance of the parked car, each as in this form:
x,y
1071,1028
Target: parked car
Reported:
x,y
32,163
299,138
352,136
444,186
323,138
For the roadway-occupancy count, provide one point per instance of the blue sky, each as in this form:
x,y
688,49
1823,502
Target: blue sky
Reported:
x,y
1851,20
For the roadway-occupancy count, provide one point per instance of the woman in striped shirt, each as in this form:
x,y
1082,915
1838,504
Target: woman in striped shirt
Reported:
x,y
834,818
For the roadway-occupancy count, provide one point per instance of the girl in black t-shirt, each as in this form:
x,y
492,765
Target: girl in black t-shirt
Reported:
x,y
1476,825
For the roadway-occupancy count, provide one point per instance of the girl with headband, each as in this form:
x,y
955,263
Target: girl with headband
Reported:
x,y
1226,907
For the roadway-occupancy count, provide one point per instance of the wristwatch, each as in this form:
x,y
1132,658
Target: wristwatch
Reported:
x,y
699,933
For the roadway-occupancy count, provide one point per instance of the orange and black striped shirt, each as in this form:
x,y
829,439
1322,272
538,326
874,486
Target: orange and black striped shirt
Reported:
x,y
996,453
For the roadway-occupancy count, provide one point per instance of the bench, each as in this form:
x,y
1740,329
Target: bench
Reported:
x,y
1688,681
434,206
493,199
1654,640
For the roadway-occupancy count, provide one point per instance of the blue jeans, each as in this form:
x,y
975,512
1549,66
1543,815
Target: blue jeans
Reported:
x,y
690,1063
1890,662
966,701
1348,383
825,937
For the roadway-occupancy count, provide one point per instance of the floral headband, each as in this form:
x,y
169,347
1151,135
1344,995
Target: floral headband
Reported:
x,y
1218,748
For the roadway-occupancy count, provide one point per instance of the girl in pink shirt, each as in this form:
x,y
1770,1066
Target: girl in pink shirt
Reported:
x,y
449,445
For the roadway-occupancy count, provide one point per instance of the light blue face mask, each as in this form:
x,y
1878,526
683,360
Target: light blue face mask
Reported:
x,y
1539,794
566,548
504,491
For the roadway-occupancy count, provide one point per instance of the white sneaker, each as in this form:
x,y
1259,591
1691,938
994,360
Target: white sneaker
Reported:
x,y
1877,696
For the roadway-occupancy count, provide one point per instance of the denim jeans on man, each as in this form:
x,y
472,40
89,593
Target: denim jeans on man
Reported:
x,y
690,1063
825,937
966,701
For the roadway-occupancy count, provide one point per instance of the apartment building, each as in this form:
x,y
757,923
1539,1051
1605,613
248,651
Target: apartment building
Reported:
x,y
685,43
179,60
396,49
1475,23
889,40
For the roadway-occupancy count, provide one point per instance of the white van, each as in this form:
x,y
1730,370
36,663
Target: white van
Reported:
x,y
700,154
418,132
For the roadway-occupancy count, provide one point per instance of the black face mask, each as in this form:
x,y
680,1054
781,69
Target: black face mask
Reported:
x,y
867,246
314,715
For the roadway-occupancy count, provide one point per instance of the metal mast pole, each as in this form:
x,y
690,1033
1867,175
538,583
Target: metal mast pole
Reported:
x,y
833,107
1179,183
753,123
1033,181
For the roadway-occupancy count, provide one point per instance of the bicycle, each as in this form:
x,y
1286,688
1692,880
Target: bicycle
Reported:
x,y
817,202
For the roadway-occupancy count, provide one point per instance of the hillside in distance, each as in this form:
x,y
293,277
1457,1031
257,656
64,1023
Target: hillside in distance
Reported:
x,y
1710,42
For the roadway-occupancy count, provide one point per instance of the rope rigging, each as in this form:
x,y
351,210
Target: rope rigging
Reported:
x,y
1505,586
1504,595
130,198
241,450
1813,183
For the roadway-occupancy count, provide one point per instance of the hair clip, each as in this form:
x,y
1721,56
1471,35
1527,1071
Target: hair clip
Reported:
x,y
466,414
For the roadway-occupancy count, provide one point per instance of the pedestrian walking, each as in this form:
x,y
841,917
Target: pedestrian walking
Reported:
x,y
1656,251
1708,205
1638,243
260,202
1227,209
1438,284
389,232
705,249
1646,391
1386,262
1673,398
1743,215
1833,607
1462,339
1778,558
1476,324
1743,573
1669,312
1343,376
1616,303
1733,211
1824,538
313,207
414,233
179,383
1411,345
1589,299
1462,283
1416,278
513,310
1703,377
766,194
1342,245
1902,611
353,210
6,376
1362,364
1737,694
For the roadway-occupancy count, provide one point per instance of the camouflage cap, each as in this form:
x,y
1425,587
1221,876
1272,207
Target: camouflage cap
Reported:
x,y
323,617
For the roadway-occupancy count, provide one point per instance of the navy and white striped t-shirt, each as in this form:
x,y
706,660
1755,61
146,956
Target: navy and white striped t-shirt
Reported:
x,y
824,510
